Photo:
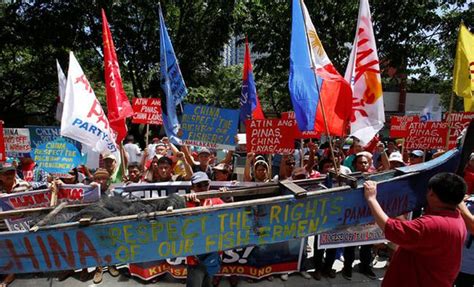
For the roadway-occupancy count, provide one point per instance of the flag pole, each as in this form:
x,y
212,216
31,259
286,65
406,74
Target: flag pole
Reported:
x,y
447,118
147,132
320,98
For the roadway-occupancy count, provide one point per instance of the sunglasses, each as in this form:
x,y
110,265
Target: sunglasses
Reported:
x,y
202,184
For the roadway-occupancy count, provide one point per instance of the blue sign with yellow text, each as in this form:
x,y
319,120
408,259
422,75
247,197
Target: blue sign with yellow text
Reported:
x,y
57,157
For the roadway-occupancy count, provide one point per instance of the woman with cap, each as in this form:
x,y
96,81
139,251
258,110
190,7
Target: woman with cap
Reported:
x,y
203,162
260,169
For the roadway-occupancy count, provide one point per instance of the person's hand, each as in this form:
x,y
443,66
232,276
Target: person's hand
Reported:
x,y
180,155
370,190
250,156
223,189
192,197
236,139
180,133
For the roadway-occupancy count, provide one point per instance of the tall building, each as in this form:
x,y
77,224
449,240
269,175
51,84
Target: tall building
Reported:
x,y
233,52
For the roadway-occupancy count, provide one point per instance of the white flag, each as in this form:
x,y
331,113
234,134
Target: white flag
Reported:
x,y
363,73
429,113
83,117
61,90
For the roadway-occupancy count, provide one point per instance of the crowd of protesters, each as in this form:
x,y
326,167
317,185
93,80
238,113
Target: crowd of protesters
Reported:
x,y
162,161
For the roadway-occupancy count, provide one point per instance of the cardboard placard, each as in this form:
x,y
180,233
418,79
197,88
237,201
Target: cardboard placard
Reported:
x,y
426,135
147,111
399,125
457,122
209,126
299,134
17,142
270,136
57,157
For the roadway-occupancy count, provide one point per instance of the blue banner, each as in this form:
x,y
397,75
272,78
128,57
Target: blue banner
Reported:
x,y
43,134
57,157
172,84
210,126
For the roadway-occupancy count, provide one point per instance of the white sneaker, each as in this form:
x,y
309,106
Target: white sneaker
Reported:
x,y
305,275
284,277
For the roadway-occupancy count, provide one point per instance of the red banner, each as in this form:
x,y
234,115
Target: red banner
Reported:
x,y
147,111
426,135
270,136
3,155
457,122
399,125
299,134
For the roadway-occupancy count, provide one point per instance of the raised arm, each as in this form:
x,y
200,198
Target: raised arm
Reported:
x,y
467,216
370,193
248,166
187,168
187,155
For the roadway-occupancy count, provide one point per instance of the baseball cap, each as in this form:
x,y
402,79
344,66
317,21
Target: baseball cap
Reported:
x,y
417,153
101,172
199,177
4,167
396,156
109,156
204,150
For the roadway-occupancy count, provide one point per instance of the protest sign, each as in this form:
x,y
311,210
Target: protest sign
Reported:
x,y
457,122
426,135
147,111
399,125
43,134
252,261
70,193
270,136
209,126
17,142
353,236
3,155
57,157
299,134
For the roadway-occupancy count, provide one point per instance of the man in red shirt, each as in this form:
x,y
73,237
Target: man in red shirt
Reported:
x,y
201,268
430,246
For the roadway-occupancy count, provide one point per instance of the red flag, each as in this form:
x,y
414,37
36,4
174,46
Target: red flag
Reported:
x,y
118,105
249,103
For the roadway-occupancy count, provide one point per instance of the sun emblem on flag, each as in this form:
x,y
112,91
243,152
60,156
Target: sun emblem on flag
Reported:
x,y
316,43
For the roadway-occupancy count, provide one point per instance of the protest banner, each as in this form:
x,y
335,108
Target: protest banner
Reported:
x,y
209,126
147,111
70,193
252,261
270,136
457,122
426,135
43,134
299,134
353,236
57,157
399,125
3,156
17,142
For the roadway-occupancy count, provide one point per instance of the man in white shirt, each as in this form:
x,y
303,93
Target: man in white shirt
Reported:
x,y
133,150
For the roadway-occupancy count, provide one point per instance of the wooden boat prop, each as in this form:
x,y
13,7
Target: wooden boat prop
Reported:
x,y
301,208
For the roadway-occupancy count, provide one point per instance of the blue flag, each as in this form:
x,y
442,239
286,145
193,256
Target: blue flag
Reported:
x,y
303,92
172,84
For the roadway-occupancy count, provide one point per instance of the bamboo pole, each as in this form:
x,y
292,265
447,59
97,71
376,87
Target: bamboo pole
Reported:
x,y
146,134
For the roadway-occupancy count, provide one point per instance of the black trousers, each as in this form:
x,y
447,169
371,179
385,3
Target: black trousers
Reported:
x,y
198,276
328,261
365,255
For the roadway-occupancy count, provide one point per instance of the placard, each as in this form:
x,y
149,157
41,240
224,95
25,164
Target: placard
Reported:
x,y
57,157
17,142
399,125
426,135
270,136
209,126
299,134
147,111
353,236
43,134
457,122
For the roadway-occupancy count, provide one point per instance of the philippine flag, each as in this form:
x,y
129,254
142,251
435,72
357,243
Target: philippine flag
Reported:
x,y
315,85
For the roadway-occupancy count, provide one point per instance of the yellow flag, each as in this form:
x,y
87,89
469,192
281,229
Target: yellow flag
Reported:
x,y
463,79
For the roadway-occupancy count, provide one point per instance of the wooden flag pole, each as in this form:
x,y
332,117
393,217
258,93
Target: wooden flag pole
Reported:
x,y
146,134
270,167
447,117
